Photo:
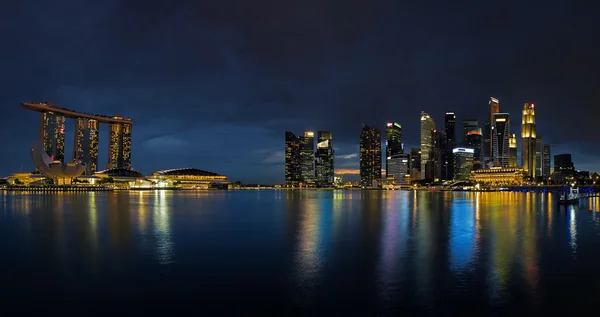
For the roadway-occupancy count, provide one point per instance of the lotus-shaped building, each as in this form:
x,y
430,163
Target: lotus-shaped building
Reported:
x,y
54,169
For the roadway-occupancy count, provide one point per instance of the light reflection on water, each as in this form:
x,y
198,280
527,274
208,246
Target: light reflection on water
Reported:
x,y
375,252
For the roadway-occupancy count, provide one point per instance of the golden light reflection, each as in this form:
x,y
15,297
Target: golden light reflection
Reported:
x,y
308,261
162,228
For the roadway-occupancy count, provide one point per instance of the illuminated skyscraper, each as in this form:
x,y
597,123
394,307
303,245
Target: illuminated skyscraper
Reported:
x,y
370,156
441,161
85,149
427,128
119,146
512,151
463,162
398,167
293,175
307,157
324,171
488,151
468,126
546,161
393,142
450,128
528,143
52,135
539,152
474,140
500,139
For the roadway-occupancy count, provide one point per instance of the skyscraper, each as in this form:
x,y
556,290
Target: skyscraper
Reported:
x,y
451,143
539,152
393,143
463,162
512,150
398,167
441,161
564,169
85,148
415,163
119,145
528,143
370,156
500,139
474,140
427,128
307,157
486,144
494,107
52,135
468,126
293,175
324,160
546,161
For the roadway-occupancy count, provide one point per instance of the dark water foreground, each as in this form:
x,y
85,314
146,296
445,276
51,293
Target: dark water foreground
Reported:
x,y
342,253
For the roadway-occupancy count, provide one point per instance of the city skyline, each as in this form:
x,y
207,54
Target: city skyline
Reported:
x,y
205,83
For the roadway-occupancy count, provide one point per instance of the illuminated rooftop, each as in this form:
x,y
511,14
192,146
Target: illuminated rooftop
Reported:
x,y
69,113
186,171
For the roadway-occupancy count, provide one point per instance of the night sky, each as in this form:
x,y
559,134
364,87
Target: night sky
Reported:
x,y
215,84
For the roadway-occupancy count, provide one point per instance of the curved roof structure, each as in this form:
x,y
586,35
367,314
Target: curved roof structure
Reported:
x,y
54,169
47,107
187,171
122,172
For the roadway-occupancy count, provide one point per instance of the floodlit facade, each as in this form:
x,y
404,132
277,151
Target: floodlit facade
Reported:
x,y
85,149
370,156
427,128
499,176
463,162
324,171
512,151
500,139
528,143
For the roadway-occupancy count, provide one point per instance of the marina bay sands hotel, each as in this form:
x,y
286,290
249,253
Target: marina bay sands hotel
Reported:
x,y
85,148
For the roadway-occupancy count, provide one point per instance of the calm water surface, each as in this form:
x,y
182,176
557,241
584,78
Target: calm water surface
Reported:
x,y
279,253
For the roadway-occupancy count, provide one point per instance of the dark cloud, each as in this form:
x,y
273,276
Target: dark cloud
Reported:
x,y
213,81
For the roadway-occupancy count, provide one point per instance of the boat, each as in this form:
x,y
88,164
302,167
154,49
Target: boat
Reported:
x,y
572,197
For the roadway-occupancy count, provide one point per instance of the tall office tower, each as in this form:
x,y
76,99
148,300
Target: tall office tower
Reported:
x,y
546,161
528,143
539,159
415,163
324,160
500,139
441,161
451,142
393,142
564,169
370,156
399,167
427,128
307,157
52,135
293,174
474,140
468,126
494,107
463,162
486,145
512,151
85,148
119,146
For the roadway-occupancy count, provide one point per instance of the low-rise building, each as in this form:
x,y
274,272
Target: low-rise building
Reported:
x,y
499,176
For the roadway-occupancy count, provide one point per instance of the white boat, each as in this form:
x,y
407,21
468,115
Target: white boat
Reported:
x,y
572,197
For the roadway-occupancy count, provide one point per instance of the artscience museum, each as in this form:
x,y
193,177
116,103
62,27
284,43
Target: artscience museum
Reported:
x,y
61,173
